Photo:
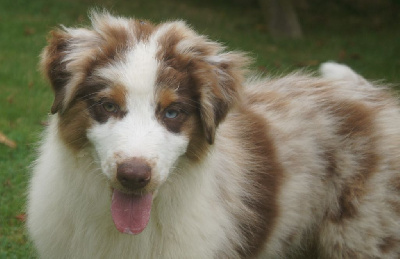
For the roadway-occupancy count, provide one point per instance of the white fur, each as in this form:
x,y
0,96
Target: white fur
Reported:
x,y
335,71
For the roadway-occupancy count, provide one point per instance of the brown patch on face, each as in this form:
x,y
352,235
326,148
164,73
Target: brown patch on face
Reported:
x,y
265,175
108,103
173,86
116,40
73,124
166,97
114,43
356,128
117,94
179,97
89,105
174,93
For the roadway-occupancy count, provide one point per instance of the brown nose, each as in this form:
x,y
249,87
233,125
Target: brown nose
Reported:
x,y
134,173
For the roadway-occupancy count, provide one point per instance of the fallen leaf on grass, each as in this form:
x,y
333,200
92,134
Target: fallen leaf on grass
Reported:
x,y
261,27
7,183
21,217
29,31
355,56
10,99
343,54
6,141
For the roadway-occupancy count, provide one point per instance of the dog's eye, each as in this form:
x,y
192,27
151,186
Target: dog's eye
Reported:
x,y
110,107
171,114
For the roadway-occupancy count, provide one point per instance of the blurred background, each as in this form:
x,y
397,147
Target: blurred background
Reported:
x,y
281,36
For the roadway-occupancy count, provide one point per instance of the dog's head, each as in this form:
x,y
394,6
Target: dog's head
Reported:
x,y
141,96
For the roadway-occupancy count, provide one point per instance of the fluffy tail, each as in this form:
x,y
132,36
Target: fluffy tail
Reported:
x,y
335,71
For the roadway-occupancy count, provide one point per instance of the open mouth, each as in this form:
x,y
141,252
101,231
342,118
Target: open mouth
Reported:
x,y
130,212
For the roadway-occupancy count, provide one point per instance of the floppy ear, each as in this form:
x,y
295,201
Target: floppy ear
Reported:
x,y
217,75
219,78
53,66
71,52
63,62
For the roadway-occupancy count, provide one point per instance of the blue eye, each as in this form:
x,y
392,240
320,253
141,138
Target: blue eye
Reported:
x,y
171,114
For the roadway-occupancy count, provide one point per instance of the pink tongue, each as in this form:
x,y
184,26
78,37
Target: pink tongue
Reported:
x,y
130,213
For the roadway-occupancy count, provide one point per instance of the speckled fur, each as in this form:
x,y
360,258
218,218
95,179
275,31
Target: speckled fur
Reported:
x,y
300,166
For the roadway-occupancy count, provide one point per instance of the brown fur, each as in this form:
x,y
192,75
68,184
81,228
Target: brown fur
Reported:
x,y
73,125
355,122
388,244
265,176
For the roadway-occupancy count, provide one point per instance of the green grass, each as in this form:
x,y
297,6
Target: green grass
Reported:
x,y
372,48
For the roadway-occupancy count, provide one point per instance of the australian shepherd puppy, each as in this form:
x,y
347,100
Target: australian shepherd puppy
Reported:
x,y
160,147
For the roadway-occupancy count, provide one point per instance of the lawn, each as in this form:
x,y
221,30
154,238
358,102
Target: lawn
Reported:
x,y
367,41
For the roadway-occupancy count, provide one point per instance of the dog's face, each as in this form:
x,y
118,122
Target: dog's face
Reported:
x,y
141,96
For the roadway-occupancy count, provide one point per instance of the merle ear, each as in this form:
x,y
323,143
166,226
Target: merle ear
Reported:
x,y
217,75
53,65
220,79
64,61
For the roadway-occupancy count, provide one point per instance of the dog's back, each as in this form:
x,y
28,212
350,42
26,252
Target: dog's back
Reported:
x,y
158,136
338,141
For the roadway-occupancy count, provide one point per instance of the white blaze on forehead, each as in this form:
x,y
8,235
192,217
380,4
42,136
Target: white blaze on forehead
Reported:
x,y
137,72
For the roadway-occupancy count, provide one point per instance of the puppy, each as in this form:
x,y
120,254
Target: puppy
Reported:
x,y
160,146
